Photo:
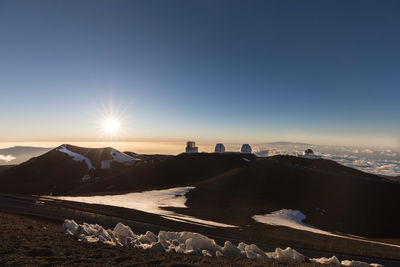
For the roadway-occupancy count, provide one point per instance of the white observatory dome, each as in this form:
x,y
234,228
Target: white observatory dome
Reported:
x,y
219,148
308,152
246,148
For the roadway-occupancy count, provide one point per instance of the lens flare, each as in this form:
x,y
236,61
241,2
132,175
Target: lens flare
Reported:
x,y
111,125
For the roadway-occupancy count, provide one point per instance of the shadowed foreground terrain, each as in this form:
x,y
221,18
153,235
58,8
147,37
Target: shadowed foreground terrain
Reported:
x,y
33,241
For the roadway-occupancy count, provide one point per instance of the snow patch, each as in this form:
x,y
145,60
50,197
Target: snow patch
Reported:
x,y
150,201
294,219
360,264
76,156
121,157
289,218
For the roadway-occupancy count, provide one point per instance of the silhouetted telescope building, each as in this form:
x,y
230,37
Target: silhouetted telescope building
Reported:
x,y
309,154
220,148
246,148
191,147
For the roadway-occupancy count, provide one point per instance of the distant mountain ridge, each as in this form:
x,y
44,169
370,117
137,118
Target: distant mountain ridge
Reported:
x,y
288,143
21,153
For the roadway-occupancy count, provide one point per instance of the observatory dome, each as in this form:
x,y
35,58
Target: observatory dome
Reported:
x,y
246,148
219,148
308,152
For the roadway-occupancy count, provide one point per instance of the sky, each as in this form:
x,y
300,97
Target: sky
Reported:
x,y
321,72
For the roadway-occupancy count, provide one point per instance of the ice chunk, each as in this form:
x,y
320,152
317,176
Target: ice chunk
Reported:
x,y
148,238
359,264
323,260
157,246
70,227
91,239
205,252
242,248
122,232
86,229
287,254
253,252
194,242
230,250
219,254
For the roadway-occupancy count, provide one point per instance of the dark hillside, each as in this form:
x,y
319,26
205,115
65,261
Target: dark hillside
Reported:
x,y
334,197
183,169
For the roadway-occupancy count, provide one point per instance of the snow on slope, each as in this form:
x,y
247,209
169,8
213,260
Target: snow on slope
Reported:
x,y
294,219
121,157
76,156
288,218
151,202
188,243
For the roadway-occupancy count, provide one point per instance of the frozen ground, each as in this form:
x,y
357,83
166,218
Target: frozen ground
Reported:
x,y
188,243
150,201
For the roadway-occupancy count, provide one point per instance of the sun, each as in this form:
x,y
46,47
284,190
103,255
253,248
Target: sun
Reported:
x,y
111,125
110,121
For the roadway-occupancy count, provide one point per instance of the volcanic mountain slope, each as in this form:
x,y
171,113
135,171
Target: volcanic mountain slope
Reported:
x,y
230,187
168,171
333,197
61,169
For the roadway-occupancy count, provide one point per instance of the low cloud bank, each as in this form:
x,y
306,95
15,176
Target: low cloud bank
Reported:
x,y
7,158
373,160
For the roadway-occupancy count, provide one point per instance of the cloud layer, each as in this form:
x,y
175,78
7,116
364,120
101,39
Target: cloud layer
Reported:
x,y
7,158
372,160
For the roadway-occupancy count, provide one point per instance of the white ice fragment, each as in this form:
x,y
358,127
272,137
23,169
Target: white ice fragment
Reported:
x,y
91,239
323,260
205,252
148,238
219,254
230,250
359,264
253,252
122,232
157,246
288,254
70,227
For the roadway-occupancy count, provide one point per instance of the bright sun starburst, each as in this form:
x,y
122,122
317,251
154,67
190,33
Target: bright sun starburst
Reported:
x,y
111,125
110,121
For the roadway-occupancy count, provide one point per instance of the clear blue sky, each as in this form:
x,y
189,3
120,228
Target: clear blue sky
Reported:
x,y
314,71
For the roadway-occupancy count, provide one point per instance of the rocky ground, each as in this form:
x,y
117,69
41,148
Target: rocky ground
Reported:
x,y
32,241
